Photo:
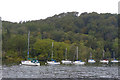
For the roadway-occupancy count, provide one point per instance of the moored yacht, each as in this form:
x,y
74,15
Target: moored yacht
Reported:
x,y
104,60
66,61
78,62
114,60
91,60
30,61
52,62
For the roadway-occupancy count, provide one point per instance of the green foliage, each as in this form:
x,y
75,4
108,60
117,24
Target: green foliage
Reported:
x,y
91,32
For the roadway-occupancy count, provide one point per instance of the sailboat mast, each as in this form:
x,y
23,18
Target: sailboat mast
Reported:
x,y
103,53
77,53
66,54
28,43
113,55
52,50
90,55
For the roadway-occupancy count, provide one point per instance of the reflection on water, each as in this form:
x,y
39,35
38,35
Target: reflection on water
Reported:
x,y
60,71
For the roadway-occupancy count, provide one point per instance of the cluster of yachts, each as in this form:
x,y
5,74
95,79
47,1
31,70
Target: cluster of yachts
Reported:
x,y
77,62
66,61
80,62
53,62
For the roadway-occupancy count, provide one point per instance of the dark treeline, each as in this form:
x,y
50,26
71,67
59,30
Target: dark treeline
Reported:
x,y
91,32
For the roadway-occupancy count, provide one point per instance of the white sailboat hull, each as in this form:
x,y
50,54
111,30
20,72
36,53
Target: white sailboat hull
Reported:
x,y
91,61
104,61
53,63
78,63
66,62
114,61
29,63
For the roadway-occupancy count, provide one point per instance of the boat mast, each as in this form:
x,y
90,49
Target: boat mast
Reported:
x,y
28,44
103,53
52,50
66,54
77,53
90,55
113,55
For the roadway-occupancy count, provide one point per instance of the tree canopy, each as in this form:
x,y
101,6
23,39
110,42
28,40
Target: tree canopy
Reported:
x,y
91,32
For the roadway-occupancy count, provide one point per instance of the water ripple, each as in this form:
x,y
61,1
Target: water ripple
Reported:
x,y
60,72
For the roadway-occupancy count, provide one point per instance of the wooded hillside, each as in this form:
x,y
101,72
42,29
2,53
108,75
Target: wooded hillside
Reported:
x,y
91,32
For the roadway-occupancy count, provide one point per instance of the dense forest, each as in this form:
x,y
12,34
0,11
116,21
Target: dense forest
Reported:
x,y
91,32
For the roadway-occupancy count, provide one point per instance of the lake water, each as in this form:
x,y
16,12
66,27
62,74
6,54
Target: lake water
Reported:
x,y
60,71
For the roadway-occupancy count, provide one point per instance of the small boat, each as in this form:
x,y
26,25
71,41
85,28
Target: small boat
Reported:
x,y
114,60
30,61
91,60
52,62
104,60
66,61
78,62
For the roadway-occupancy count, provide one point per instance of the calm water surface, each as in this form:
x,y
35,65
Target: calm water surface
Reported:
x,y
60,71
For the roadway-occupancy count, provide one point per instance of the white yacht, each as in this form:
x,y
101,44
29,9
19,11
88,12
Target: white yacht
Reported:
x,y
30,61
66,61
91,60
78,62
104,60
52,62
114,60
